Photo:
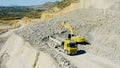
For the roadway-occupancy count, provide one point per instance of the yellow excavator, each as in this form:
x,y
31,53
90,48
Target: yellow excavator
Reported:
x,y
71,36
68,46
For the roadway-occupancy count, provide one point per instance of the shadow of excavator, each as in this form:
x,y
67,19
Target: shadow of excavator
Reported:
x,y
84,43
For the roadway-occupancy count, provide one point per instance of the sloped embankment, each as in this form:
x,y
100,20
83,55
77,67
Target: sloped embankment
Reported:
x,y
18,53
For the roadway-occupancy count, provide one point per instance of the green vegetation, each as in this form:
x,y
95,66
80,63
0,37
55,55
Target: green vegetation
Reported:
x,y
11,13
18,12
65,3
60,5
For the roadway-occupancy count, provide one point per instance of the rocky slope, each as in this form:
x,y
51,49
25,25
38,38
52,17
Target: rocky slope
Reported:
x,y
100,4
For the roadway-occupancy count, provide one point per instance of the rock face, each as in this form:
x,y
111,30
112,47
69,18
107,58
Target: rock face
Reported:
x,y
100,4
17,53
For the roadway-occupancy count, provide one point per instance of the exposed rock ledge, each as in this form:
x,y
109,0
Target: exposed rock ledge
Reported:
x,y
18,53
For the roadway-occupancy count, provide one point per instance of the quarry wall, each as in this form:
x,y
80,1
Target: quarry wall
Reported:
x,y
100,4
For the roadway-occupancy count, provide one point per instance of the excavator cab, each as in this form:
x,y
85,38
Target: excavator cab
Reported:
x,y
70,36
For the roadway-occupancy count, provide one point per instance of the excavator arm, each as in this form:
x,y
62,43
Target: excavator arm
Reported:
x,y
69,27
71,35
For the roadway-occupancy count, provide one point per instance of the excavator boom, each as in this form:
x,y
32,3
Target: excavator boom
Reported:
x,y
69,27
71,35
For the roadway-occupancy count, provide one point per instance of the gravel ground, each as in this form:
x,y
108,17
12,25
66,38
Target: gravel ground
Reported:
x,y
100,28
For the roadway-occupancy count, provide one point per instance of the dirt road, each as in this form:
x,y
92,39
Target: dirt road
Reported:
x,y
91,61
4,36
12,30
